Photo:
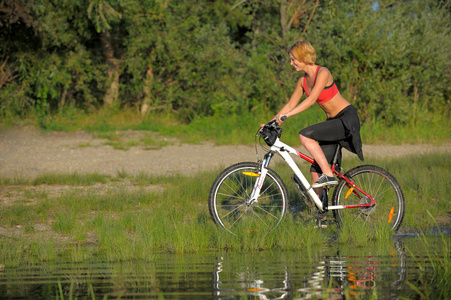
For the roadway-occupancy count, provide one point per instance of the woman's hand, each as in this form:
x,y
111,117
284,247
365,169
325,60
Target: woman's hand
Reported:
x,y
278,118
281,118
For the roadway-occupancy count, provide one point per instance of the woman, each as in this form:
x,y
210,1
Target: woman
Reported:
x,y
342,124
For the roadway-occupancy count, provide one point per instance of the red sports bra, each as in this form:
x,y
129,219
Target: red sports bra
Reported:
x,y
328,92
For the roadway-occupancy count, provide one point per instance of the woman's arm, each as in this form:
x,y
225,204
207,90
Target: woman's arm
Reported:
x,y
294,99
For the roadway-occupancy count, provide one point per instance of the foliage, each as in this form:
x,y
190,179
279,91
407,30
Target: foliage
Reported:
x,y
221,57
391,56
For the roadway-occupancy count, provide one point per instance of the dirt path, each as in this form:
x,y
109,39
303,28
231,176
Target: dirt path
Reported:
x,y
28,152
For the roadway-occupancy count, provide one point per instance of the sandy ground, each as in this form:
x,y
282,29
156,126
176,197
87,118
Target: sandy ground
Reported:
x,y
29,152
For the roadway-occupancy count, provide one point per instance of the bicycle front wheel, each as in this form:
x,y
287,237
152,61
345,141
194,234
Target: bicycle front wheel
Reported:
x,y
229,200
382,187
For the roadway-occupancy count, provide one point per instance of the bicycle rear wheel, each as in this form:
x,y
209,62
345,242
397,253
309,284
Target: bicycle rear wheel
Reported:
x,y
230,194
385,190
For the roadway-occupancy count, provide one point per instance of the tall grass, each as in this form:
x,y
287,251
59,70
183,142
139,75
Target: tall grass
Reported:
x,y
424,179
123,223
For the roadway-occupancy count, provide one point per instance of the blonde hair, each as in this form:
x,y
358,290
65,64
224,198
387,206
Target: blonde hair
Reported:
x,y
303,51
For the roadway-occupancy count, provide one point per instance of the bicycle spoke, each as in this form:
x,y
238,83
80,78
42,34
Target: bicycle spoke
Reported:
x,y
269,196
237,220
237,185
256,215
231,196
262,192
267,212
223,216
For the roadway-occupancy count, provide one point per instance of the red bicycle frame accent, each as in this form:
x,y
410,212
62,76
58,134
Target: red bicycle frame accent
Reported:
x,y
349,183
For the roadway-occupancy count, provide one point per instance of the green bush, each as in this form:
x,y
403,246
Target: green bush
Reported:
x,y
218,58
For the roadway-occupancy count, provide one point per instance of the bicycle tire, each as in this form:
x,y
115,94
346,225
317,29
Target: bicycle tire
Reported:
x,y
389,208
230,192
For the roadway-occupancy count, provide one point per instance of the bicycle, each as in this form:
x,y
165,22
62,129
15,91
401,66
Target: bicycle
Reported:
x,y
250,196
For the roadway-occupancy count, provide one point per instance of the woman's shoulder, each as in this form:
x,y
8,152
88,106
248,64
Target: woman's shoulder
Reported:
x,y
323,71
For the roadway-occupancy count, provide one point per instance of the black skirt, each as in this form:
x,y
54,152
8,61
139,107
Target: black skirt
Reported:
x,y
351,122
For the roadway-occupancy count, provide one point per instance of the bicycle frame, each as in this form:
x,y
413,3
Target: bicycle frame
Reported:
x,y
285,152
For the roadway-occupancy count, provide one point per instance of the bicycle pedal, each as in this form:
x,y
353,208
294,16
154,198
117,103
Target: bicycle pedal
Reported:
x,y
322,223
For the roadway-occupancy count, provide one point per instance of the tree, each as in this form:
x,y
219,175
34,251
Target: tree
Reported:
x,y
390,60
101,13
221,57
294,13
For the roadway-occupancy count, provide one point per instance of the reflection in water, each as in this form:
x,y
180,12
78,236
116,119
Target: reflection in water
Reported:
x,y
335,272
249,282
359,274
331,277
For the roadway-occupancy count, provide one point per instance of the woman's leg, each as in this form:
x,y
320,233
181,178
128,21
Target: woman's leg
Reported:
x,y
317,153
329,150
315,177
328,132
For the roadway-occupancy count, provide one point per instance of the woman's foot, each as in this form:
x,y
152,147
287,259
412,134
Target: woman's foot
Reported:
x,y
325,180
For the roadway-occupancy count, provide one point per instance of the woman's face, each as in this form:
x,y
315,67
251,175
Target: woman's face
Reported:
x,y
295,63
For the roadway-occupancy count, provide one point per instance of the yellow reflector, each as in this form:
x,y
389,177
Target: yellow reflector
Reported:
x,y
390,216
349,192
253,230
254,290
251,174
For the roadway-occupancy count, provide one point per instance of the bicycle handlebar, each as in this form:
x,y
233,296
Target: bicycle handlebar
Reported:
x,y
271,124
270,132
274,124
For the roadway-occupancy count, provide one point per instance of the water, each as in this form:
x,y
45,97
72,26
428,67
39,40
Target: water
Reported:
x,y
377,270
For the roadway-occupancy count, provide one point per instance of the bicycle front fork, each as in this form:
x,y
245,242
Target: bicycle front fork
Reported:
x,y
261,179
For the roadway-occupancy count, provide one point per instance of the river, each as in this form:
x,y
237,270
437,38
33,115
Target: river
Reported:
x,y
386,270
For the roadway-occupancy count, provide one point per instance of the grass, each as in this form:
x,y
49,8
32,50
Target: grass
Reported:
x,y
70,179
424,181
124,221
